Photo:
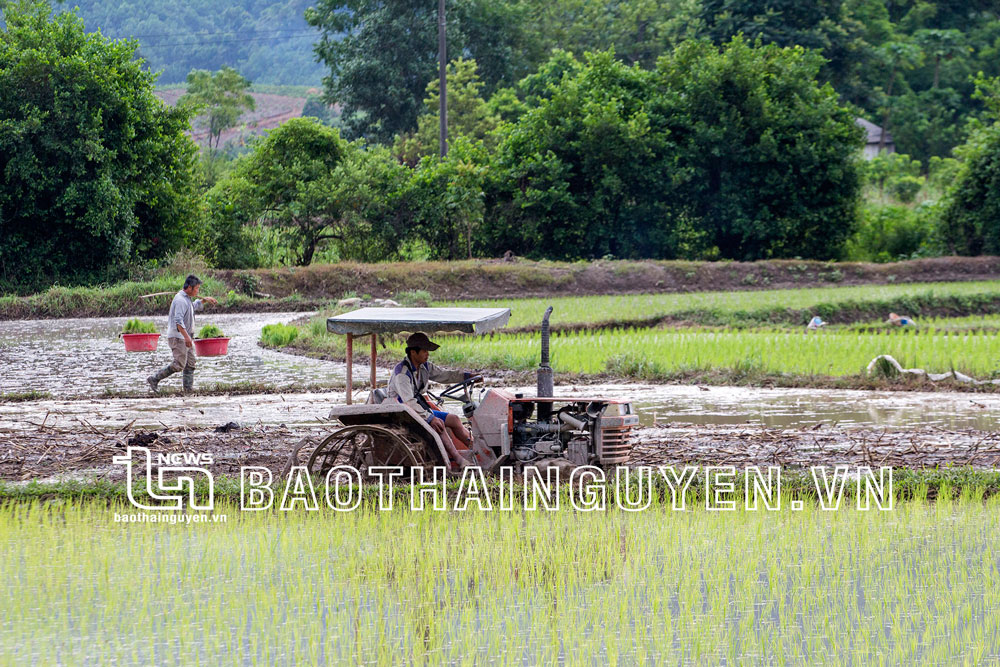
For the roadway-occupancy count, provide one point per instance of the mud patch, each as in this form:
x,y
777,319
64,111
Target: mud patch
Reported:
x,y
51,454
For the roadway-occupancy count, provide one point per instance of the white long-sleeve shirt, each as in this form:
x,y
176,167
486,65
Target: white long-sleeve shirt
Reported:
x,y
182,310
408,382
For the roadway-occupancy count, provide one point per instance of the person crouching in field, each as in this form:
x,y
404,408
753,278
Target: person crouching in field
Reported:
x,y
900,320
180,328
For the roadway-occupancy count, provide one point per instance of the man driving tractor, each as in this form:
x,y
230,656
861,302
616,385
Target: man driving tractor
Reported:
x,y
409,381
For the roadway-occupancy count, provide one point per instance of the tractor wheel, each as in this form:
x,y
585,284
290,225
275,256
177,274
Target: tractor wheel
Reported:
x,y
364,446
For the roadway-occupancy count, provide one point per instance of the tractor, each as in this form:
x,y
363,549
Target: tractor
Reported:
x,y
509,429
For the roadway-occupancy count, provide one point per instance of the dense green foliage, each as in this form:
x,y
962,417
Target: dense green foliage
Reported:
x,y
469,115
720,154
972,218
734,154
904,64
95,171
577,129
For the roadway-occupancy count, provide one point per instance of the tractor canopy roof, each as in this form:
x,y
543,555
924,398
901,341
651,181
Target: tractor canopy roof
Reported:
x,y
428,320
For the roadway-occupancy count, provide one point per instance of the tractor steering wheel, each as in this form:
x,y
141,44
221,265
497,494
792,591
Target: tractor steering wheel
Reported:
x,y
452,391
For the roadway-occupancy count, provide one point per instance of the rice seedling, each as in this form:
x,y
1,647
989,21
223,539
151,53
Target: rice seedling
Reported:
x,y
137,326
278,335
210,331
648,353
729,308
914,585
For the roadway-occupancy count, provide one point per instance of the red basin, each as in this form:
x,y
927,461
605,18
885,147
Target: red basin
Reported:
x,y
140,342
211,347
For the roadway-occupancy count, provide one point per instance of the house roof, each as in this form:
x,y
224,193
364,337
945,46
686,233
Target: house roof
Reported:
x,y
874,131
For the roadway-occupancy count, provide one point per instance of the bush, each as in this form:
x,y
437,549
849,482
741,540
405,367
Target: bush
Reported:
x,y
226,239
971,220
905,188
892,233
137,326
210,331
278,335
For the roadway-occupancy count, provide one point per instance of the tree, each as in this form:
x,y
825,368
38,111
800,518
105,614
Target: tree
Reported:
x,y
222,96
836,28
941,44
94,169
781,22
896,56
446,199
587,172
638,31
382,53
971,220
768,161
314,187
734,153
929,122
469,115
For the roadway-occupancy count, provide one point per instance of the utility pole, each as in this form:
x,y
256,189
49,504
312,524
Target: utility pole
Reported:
x,y
442,76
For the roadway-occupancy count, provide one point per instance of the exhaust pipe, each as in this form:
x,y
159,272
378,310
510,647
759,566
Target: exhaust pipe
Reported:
x,y
545,389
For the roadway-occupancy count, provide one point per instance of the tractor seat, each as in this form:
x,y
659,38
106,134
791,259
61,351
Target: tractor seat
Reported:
x,y
377,396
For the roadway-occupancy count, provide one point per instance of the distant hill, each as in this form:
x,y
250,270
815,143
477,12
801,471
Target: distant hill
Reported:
x,y
267,41
270,112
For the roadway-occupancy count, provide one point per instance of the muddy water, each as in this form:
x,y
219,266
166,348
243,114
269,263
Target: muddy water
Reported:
x,y
799,408
85,357
656,405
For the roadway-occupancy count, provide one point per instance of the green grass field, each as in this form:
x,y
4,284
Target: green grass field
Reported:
x,y
915,585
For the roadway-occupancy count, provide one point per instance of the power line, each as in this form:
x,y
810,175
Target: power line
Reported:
x,y
209,34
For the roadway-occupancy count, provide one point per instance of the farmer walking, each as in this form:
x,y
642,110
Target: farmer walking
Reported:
x,y
180,327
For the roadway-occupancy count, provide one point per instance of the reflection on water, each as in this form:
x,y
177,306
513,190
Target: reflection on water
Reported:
x,y
799,408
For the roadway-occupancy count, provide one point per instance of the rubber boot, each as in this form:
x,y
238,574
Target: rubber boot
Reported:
x,y
188,381
154,379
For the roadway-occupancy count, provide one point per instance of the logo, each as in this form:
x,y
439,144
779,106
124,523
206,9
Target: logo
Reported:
x,y
170,493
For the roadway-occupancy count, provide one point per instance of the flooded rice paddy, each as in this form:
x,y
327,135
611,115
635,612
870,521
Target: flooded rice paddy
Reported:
x,y
78,360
